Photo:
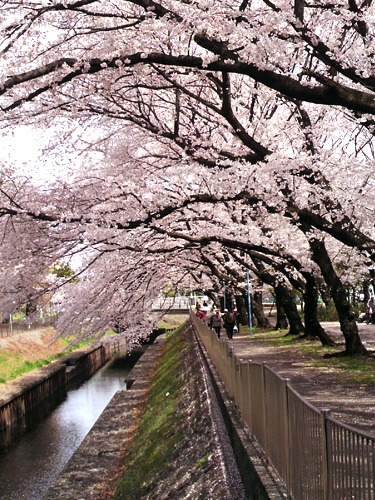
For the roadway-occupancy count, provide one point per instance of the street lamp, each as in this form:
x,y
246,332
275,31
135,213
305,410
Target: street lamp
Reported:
x,y
249,303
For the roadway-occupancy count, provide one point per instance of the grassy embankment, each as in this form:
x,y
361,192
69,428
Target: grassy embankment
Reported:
x,y
154,443
12,365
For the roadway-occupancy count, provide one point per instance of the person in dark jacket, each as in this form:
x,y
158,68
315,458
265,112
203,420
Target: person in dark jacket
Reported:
x,y
230,321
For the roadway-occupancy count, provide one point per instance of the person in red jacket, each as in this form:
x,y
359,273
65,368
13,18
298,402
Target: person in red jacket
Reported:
x,y
200,315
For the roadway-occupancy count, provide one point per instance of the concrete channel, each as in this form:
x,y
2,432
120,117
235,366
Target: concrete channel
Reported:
x,y
37,445
103,446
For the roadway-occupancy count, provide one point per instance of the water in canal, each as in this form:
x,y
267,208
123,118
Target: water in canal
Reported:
x,y
29,467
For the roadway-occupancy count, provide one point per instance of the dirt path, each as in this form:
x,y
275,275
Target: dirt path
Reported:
x,y
326,387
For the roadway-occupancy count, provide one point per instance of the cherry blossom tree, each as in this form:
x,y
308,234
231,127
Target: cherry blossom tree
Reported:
x,y
214,122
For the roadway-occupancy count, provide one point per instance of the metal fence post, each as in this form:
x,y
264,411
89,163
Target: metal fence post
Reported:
x,y
246,394
250,381
242,385
264,390
238,383
323,419
228,368
287,437
232,372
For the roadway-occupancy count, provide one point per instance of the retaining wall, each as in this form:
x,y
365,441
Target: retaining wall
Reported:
x,y
41,390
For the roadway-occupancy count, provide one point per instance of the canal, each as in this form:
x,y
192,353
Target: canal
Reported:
x,y
30,464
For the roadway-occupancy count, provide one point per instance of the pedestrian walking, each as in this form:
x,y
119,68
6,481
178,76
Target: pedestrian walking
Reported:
x,y
230,321
217,323
371,309
200,314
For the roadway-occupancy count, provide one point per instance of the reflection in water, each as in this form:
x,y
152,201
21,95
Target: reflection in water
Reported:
x,y
28,469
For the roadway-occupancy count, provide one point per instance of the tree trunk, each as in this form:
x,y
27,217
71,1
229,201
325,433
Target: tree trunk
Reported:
x,y
257,308
325,294
295,323
281,319
31,308
313,328
283,298
241,304
349,328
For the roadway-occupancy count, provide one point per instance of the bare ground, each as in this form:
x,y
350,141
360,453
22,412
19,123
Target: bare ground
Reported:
x,y
33,345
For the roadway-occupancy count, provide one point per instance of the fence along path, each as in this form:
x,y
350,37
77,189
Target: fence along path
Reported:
x,y
23,325
317,456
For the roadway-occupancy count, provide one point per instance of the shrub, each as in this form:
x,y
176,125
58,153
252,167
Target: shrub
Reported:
x,y
327,313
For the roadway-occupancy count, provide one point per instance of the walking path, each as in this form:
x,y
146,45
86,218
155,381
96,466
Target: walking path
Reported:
x,y
326,387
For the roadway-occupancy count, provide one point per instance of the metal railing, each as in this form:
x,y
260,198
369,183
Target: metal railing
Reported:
x,y
317,456
180,302
26,324
165,303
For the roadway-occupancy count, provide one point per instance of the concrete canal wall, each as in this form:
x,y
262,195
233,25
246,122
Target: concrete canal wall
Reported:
x,y
103,446
40,391
93,466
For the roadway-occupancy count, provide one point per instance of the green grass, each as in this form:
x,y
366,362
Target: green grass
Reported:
x,y
163,324
153,446
172,321
201,462
14,365
352,370
276,336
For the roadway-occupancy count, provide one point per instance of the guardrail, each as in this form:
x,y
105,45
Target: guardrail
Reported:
x,y
317,456
171,303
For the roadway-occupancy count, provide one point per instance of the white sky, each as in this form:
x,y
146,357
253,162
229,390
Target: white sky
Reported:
x,y
23,148
20,143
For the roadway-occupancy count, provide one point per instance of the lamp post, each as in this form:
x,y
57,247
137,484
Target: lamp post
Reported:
x,y
249,303
10,321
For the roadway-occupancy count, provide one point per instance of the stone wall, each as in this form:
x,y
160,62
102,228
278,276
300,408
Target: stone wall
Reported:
x,y
260,480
